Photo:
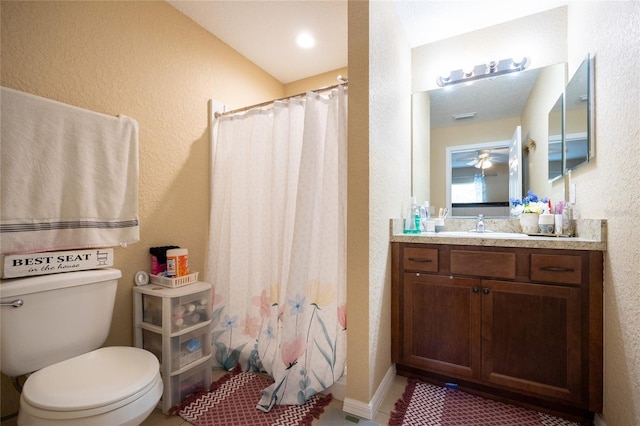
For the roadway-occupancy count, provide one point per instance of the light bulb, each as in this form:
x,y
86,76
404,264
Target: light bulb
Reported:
x,y
305,40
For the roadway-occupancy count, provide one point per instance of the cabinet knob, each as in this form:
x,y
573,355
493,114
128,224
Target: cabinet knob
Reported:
x,y
485,290
476,289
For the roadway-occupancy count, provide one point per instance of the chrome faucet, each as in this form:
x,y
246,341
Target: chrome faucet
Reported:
x,y
480,223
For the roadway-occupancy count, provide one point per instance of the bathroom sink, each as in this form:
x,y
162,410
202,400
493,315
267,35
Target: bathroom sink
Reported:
x,y
471,234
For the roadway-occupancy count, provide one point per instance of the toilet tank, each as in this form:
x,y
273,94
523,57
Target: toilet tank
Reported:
x,y
62,315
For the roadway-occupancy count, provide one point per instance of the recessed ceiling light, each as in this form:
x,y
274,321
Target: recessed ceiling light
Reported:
x,y
305,40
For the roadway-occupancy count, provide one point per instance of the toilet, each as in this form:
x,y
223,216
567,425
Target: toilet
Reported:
x,y
52,328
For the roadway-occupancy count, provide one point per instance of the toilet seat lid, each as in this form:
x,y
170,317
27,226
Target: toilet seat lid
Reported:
x,y
95,379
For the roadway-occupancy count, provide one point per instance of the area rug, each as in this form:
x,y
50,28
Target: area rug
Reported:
x,y
232,400
428,405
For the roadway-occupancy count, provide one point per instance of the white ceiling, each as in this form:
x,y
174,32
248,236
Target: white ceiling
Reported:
x,y
264,31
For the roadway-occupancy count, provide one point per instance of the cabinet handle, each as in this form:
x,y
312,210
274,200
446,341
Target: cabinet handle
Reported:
x,y
556,269
476,289
413,259
485,290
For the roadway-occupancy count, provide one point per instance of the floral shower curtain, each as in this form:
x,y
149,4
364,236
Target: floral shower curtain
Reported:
x,y
277,244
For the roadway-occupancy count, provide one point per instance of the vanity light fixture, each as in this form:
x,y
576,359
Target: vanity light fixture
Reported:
x,y
491,69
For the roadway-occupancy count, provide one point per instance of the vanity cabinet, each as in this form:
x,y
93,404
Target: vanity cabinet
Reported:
x,y
519,324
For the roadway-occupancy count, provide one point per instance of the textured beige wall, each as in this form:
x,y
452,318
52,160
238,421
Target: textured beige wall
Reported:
x,y
146,60
149,62
608,187
379,150
389,176
358,339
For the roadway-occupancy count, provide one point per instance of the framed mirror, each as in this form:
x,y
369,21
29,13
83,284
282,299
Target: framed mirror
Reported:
x,y
486,111
578,110
556,140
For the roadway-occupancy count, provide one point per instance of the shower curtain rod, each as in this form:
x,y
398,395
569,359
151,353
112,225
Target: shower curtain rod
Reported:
x,y
322,89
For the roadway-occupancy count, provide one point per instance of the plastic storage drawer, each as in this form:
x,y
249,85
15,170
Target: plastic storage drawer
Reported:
x,y
184,349
186,311
188,382
152,342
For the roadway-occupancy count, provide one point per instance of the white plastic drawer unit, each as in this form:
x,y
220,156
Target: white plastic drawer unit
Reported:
x,y
183,312
175,325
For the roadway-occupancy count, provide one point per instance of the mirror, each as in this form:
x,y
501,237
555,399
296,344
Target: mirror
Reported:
x,y
577,132
487,111
556,146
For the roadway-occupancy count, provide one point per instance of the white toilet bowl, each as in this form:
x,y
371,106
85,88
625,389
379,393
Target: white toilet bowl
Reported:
x,y
108,386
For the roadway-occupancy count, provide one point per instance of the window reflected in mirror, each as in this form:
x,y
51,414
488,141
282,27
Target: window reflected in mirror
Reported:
x,y
479,176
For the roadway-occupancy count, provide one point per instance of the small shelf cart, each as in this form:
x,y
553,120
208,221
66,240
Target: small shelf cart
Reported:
x,y
175,325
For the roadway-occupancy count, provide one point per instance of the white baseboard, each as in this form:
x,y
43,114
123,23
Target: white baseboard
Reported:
x,y
369,410
597,421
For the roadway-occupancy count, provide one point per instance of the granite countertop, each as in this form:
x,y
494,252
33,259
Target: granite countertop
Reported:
x,y
591,235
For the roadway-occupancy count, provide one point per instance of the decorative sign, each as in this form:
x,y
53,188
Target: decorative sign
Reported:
x,y
23,265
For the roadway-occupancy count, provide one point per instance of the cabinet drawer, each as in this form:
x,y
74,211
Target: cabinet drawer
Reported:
x,y
483,263
420,259
552,268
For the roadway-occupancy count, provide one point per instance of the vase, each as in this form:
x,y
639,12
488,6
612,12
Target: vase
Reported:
x,y
529,223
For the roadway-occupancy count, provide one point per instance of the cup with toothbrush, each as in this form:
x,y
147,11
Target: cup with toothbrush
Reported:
x,y
442,215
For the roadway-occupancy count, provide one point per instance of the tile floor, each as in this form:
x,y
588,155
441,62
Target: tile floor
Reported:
x,y
382,417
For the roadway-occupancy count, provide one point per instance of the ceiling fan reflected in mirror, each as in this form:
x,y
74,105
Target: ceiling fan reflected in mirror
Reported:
x,y
483,160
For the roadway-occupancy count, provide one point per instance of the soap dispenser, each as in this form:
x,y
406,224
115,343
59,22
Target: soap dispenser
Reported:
x,y
413,222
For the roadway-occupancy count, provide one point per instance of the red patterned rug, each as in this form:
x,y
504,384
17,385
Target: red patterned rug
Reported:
x,y
426,405
232,400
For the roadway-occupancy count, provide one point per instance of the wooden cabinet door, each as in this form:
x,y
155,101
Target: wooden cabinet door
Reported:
x,y
531,338
441,324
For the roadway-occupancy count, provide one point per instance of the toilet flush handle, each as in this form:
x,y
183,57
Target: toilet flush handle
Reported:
x,y
16,303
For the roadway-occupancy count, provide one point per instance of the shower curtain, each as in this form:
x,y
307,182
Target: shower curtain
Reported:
x,y
277,244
